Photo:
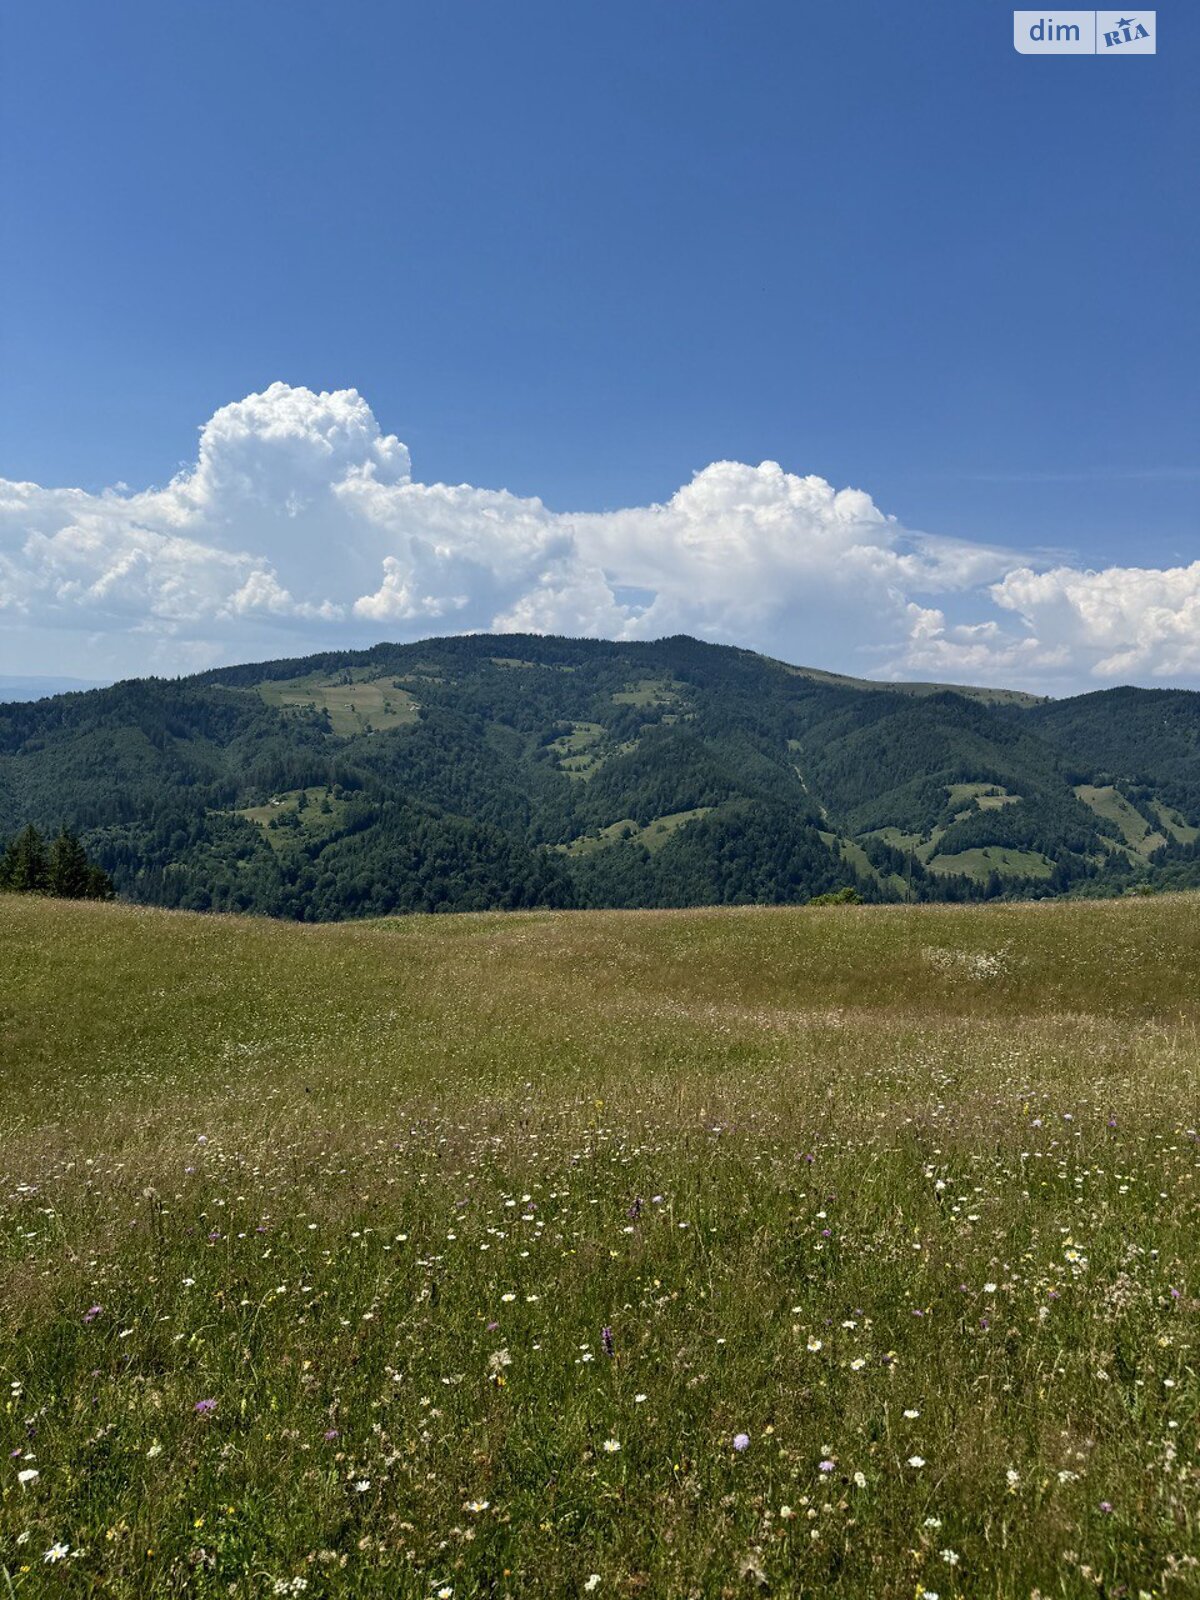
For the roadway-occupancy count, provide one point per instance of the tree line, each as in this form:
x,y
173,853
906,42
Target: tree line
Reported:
x,y
61,868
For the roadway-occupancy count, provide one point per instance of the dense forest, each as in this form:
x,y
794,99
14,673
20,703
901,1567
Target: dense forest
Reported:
x,y
517,771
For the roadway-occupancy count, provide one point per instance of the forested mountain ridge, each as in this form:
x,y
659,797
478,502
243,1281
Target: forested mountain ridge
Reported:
x,y
521,770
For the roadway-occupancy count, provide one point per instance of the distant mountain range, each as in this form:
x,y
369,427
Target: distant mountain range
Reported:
x,y
518,770
40,688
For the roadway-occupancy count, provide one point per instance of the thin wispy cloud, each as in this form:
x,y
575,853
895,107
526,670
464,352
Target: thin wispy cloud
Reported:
x,y
1136,475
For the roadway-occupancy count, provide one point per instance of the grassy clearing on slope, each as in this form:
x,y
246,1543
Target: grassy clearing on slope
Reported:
x,y
654,835
580,752
1174,825
855,856
983,860
309,1236
1109,803
985,796
998,697
648,692
364,705
297,816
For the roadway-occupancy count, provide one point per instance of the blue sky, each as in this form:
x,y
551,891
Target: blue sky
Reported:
x,y
581,252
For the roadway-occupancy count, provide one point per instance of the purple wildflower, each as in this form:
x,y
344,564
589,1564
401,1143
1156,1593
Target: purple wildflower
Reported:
x,y
606,1339
92,1313
204,1407
826,1465
741,1441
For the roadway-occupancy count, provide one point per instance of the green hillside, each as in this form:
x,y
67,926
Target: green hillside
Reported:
x,y
844,1252
521,771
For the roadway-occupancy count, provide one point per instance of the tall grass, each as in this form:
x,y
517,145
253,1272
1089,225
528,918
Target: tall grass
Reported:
x,y
848,1252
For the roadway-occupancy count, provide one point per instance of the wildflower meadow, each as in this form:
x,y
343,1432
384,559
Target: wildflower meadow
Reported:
x,y
851,1251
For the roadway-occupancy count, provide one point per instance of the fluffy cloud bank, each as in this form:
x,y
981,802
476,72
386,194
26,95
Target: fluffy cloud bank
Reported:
x,y
301,527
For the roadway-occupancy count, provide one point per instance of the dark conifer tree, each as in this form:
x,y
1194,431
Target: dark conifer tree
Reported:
x,y
67,869
25,869
97,885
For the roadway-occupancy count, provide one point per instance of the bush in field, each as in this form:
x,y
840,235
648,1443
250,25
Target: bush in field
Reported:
x,y
837,897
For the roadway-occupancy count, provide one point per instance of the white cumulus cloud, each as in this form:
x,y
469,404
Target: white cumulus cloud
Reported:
x,y
300,527
1127,622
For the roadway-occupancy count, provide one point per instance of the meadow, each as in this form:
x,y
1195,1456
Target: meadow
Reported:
x,y
821,1252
